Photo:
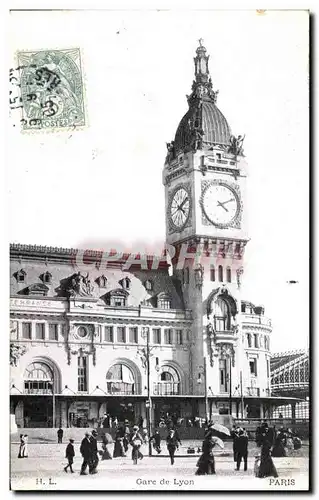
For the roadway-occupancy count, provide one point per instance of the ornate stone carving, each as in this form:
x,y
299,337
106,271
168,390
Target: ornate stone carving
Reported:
x,y
236,145
171,154
15,352
80,286
239,273
199,275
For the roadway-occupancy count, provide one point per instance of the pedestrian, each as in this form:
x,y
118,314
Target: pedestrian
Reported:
x,y
85,450
241,449
94,458
69,454
115,422
206,462
26,440
21,453
126,435
106,455
266,467
119,444
280,443
173,443
157,441
234,435
60,435
140,422
136,442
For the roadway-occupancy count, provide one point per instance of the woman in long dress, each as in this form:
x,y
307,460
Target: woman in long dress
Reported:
x,y
267,467
118,445
279,446
21,447
206,462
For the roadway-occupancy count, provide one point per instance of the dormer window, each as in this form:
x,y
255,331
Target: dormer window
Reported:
x,y
125,283
117,298
20,276
47,277
164,301
101,281
149,285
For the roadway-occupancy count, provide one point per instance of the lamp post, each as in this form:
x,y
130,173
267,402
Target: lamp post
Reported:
x,y
230,387
199,381
146,335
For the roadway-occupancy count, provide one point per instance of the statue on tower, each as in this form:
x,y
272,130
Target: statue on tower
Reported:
x,y
236,145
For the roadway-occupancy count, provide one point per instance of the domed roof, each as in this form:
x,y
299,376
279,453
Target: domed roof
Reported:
x,y
212,122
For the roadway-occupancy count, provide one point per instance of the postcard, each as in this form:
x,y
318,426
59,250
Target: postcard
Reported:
x,y
158,193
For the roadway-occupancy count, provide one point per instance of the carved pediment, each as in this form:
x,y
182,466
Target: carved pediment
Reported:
x,y
36,289
77,285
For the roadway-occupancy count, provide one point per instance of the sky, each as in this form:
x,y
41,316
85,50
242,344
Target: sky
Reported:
x,y
102,186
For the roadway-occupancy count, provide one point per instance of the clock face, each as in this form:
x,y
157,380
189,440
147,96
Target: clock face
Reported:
x,y
180,207
220,204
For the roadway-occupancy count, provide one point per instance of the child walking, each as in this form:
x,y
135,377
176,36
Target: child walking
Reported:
x,y
69,454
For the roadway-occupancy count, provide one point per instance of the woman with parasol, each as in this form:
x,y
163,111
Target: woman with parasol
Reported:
x,y
206,462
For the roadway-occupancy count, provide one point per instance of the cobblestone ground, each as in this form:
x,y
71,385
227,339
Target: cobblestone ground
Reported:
x,y
43,469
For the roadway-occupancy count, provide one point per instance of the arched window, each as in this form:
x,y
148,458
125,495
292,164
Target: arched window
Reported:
x,y
20,276
221,315
169,382
220,274
38,379
125,283
164,301
212,273
228,275
120,380
249,339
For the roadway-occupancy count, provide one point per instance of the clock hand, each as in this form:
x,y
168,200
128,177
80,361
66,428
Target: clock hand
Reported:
x,y
231,199
222,205
183,203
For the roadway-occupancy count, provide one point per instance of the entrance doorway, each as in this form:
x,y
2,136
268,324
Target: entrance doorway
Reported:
x,y
122,410
253,411
38,412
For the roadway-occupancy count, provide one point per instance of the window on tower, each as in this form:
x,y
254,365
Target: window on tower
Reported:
x,y
221,315
228,275
212,273
220,273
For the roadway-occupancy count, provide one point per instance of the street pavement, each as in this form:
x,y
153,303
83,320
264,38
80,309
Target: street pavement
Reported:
x,y
43,470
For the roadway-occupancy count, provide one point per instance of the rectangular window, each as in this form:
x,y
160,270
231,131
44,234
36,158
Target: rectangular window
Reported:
x,y
268,371
108,334
179,337
53,331
256,342
156,336
253,367
82,374
39,331
26,330
168,336
133,335
121,334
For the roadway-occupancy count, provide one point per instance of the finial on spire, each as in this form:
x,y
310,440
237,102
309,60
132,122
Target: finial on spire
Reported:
x,y
200,42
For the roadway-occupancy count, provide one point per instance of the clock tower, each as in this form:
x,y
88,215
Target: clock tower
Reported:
x,y
204,177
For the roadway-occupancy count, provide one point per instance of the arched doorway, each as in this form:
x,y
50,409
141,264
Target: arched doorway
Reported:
x,y
38,383
122,381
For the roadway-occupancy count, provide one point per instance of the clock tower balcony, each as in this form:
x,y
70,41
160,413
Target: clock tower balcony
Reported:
x,y
225,337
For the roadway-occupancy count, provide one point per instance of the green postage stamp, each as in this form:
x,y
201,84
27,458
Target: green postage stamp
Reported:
x,y
52,92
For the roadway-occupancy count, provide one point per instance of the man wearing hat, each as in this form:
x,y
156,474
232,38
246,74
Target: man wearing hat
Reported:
x,y
242,449
85,450
69,454
126,435
94,458
136,441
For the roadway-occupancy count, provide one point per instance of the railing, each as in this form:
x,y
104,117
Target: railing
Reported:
x,y
166,389
38,391
256,319
118,388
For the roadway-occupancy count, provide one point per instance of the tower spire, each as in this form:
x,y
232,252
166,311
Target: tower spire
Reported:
x,y
202,88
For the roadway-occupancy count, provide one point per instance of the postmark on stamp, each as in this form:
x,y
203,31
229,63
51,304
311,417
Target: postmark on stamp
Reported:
x,y
52,92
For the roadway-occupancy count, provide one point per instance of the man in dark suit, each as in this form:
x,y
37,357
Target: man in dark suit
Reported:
x,y
173,441
85,450
242,449
94,459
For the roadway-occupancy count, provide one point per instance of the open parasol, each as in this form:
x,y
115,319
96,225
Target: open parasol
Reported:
x,y
218,441
221,428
